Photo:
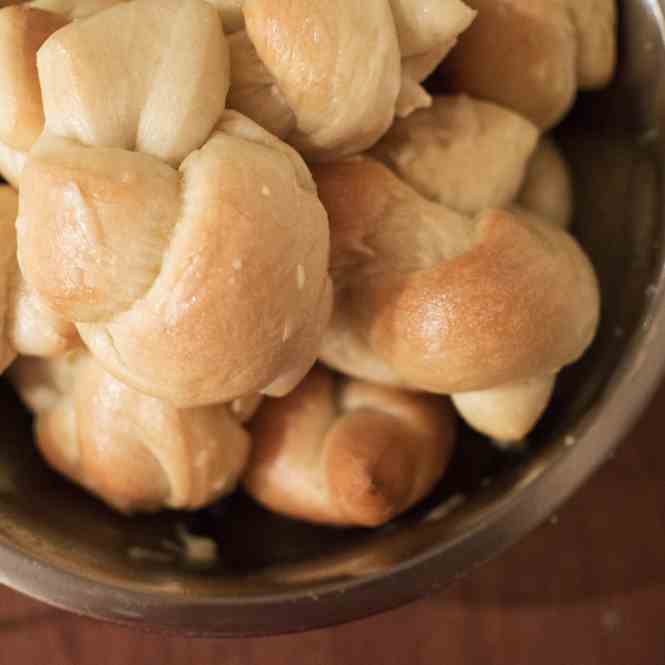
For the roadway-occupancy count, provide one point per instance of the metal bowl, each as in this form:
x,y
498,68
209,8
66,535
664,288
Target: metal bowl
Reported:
x,y
63,547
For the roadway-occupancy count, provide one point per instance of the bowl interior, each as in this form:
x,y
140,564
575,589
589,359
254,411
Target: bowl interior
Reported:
x,y
613,141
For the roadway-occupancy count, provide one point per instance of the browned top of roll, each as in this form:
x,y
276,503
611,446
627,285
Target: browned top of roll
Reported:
x,y
348,453
451,304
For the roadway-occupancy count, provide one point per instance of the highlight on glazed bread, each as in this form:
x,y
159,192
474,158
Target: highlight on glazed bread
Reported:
x,y
138,453
347,452
206,196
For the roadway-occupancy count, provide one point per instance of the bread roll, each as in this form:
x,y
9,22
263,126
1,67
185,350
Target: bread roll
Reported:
x,y
462,152
197,285
442,302
532,55
508,413
148,214
472,155
136,452
348,453
28,326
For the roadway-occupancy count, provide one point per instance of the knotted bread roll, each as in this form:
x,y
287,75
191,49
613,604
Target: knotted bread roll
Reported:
x,y
137,453
533,55
197,284
348,453
329,76
471,155
28,326
430,299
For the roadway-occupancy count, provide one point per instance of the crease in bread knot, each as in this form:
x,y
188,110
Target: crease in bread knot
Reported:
x,y
499,301
186,243
348,453
137,453
534,55
27,325
307,73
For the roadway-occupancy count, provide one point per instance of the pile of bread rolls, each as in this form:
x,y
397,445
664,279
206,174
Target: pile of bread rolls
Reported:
x,y
206,196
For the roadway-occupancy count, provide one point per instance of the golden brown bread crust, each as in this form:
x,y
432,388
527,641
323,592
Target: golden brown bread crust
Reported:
x,y
348,453
165,307
136,452
480,305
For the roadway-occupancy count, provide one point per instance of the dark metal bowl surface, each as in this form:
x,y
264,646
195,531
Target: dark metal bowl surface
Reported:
x,y
59,545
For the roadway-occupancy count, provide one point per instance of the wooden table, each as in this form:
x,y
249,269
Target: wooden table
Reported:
x,y
588,588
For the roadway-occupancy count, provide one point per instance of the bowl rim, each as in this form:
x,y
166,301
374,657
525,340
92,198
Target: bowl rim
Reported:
x,y
598,433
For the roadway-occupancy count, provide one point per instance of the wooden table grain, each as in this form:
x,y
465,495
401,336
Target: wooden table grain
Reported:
x,y
587,588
